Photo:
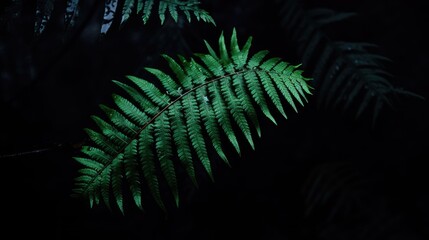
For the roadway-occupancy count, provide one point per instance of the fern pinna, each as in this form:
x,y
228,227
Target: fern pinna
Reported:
x,y
209,96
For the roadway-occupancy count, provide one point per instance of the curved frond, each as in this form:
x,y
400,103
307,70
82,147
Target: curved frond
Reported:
x,y
347,75
181,120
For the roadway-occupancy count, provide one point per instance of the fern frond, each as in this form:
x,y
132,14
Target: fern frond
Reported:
x,y
143,8
127,9
347,75
178,123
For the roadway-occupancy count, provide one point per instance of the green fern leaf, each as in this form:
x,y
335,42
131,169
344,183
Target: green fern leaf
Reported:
x,y
169,84
271,91
165,153
127,10
161,10
182,120
193,123
180,135
116,176
140,5
173,12
147,159
101,141
245,101
148,5
133,178
212,128
144,8
120,121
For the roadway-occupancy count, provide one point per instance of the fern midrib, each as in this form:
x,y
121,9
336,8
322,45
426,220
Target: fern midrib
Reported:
x,y
161,112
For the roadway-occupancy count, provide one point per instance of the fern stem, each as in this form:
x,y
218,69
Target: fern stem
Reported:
x,y
31,152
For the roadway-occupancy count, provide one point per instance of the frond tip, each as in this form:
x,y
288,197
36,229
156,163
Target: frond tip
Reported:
x,y
208,97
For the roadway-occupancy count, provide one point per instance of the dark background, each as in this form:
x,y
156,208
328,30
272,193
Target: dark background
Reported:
x,y
321,174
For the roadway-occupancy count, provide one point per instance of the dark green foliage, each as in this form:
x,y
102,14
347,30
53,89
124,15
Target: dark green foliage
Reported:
x,y
207,97
123,9
347,75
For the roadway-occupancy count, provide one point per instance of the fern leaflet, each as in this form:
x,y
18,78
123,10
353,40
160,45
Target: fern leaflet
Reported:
x,y
207,96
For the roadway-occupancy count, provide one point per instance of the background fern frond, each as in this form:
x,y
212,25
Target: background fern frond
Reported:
x,y
173,7
206,99
122,9
347,75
